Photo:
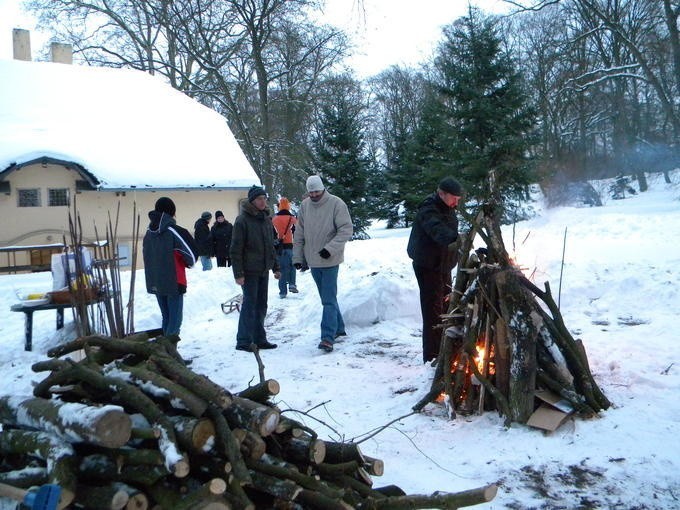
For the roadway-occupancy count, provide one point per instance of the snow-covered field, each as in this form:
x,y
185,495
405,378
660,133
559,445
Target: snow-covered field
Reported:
x,y
620,295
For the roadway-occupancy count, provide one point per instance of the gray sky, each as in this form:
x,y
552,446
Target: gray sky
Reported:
x,y
385,32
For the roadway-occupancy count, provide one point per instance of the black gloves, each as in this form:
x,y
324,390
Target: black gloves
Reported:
x,y
300,267
325,254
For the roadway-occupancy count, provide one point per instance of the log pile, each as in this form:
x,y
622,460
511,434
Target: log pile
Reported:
x,y
504,338
131,426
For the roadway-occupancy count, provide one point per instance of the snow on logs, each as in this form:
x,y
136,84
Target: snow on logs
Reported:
x,y
131,426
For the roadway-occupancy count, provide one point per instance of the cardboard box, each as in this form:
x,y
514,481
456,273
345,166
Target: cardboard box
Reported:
x,y
551,413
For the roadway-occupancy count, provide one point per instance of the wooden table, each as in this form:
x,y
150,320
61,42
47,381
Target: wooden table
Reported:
x,y
29,310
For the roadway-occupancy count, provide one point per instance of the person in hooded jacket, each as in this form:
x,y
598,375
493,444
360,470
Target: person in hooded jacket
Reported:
x,y
252,257
168,250
432,247
284,223
220,233
204,240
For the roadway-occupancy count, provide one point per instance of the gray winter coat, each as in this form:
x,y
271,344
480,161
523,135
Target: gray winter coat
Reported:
x,y
323,224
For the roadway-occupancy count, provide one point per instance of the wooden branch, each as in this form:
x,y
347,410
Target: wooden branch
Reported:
x,y
436,500
250,415
179,397
261,392
304,450
134,398
106,497
58,455
25,477
343,452
194,435
227,445
319,501
376,467
107,426
198,384
106,468
308,482
252,445
284,489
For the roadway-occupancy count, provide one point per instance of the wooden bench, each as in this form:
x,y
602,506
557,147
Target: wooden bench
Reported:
x,y
30,310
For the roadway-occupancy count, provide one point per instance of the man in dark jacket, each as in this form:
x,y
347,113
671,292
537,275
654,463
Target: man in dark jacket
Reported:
x,y
252,256
221,239
168,250
432,248
204,240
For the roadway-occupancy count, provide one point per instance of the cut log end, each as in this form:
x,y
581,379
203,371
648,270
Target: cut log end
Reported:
x,y
113,429
137,502
217,486
181,468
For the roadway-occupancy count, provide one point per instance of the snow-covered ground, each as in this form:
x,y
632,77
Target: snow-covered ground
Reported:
x,y
620,294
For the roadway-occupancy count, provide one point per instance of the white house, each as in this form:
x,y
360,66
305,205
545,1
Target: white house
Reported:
x,y
100,137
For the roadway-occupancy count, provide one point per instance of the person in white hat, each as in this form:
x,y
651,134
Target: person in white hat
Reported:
x,y
324,226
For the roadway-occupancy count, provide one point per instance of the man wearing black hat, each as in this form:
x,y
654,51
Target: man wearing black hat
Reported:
x,y
168,250
432,248
204,240
221,239
252,256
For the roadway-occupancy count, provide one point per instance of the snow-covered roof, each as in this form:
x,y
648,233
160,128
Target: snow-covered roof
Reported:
x,y
126,128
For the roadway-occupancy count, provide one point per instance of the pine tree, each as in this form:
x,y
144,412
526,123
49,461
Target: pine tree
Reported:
x,y
489,118
340,154
428,157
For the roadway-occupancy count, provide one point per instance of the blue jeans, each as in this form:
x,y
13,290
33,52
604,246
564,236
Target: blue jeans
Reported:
x,y
287,270
171,311
206,262
326,279
253,311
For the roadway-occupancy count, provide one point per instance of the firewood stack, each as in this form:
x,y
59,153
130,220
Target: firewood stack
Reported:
x,y
130,426
504,338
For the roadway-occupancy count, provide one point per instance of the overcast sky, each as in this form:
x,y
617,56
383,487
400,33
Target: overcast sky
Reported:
x,y
385,32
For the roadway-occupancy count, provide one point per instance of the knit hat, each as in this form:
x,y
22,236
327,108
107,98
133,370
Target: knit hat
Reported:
x,y
206,215
314,183
284,204
165,205
255,192
450,185
218,214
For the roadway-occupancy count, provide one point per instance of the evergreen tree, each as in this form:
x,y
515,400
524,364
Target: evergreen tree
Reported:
x,y
428,155
340,155
489,120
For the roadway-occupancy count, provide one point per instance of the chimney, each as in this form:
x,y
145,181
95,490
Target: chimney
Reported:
x,y
61,53
21,42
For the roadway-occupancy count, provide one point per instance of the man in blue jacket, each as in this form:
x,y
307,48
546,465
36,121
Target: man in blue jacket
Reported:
x,y
432,248
168,250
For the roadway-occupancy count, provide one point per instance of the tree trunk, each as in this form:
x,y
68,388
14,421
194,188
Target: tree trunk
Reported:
x,y
107,426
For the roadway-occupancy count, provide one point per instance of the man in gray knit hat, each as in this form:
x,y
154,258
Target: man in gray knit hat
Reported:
x,y
324,226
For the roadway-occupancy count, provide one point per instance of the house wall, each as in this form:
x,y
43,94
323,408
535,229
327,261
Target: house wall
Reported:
x,y
45,224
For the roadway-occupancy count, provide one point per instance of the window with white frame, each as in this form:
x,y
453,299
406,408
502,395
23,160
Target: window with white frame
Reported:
x,y
57,197
29,197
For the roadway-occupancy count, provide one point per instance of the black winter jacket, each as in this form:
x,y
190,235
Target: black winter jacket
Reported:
x,y
434,228
252,243
167,249
221,238
203,238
